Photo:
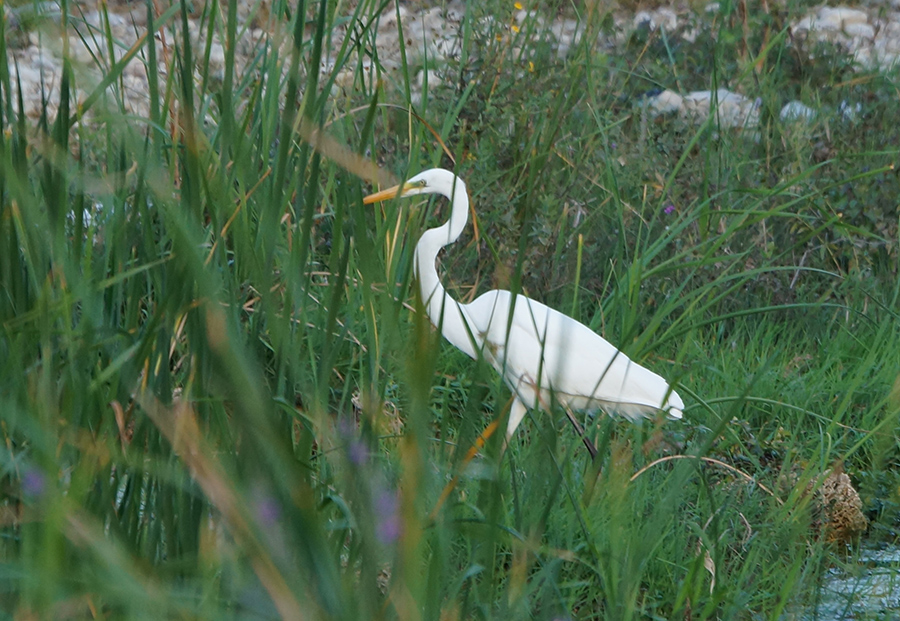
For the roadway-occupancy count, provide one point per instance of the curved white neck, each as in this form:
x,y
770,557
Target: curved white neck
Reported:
x,y
446,313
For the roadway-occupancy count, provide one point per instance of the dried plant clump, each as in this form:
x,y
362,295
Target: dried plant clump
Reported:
x,y
838,513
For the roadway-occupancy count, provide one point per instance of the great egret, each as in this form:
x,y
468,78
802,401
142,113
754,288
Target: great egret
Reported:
x,y
542,354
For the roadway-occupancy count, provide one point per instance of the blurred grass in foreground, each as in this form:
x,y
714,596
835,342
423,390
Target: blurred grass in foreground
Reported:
x,y
220,398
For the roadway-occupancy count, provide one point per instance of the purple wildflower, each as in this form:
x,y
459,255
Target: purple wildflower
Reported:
x,y
357,452
267,509
387,528
345,427
33,483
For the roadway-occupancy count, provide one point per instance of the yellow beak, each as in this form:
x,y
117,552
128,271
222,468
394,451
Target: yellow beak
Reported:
x,y
386,194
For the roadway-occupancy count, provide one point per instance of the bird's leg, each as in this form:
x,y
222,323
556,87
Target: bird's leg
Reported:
x,y
580,430
516,413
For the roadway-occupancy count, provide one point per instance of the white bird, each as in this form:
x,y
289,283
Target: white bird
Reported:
x,y
543,355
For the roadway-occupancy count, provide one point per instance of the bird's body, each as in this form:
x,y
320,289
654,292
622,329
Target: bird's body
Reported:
x,y
545,356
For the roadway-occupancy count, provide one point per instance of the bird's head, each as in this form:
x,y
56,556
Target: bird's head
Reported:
x,y
434,181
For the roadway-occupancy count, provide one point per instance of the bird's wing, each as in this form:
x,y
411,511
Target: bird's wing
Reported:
x,y
553,352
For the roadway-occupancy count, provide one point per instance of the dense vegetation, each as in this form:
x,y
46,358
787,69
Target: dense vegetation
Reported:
x,y
220,397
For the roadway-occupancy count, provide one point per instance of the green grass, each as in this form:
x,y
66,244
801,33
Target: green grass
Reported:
x,y
220,397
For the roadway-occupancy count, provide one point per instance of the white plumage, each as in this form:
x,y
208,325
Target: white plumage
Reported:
x,y
543,355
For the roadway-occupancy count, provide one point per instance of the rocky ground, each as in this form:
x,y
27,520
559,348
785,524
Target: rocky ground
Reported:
x,y
95,39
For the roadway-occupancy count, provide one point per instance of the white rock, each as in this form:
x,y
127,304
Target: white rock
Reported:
x,y
850,112
797,111
432,19
135,69
434,79
887,61
343,81
445,47
667,19
886,44
28,76
828,24
641,18
864,31
217,62
564,28
661,18
884,54
863,58
455,14
216,54
832,20
806,24
528,17
843,16
44,61
732,109
666,102
388,19
890,29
